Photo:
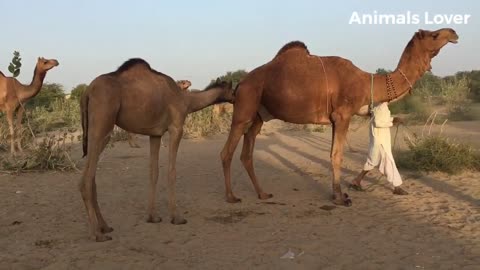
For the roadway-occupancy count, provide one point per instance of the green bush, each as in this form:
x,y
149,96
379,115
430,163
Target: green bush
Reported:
x,y
455,94
412,105
49,93
438,153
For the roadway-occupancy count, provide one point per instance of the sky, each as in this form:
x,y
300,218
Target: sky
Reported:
x,y
201,40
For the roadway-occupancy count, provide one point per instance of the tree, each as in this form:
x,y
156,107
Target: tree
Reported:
x,y
77,91
428,86
382,71
48,94
15,65
235,77
474,82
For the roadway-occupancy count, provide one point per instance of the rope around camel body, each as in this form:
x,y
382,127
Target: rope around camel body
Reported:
x,y
326,82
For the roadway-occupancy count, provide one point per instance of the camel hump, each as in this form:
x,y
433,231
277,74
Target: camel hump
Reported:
x,y
133,63
293,45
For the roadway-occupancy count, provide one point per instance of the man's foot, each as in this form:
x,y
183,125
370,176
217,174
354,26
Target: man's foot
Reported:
x,y
356,187
399,191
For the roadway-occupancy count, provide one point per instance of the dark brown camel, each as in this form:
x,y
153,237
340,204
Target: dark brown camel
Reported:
x,y
183,85
140,100
13,94
301,88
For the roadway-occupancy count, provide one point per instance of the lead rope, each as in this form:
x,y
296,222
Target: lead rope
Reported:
x,y
326,82
406,79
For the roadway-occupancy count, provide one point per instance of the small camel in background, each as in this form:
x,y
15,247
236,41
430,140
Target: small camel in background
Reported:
x,y
14,94
140,100
184,85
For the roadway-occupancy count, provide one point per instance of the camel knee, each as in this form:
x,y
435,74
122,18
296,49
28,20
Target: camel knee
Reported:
x,y
246,159
336,160
226,157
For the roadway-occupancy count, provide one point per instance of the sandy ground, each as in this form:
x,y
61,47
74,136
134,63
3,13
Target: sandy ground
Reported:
x,y
43,220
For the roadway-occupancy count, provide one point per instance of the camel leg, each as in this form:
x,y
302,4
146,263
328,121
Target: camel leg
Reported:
x,y
155,142
97,140
175,137
340,128
247,156
104,228
18,125
12,131
226,155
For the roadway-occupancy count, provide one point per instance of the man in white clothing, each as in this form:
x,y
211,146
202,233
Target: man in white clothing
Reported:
x,y
380,149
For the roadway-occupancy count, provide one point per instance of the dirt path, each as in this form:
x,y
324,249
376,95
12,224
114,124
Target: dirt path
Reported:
x,y
43,221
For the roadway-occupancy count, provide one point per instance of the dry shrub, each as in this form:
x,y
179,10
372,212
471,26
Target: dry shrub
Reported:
x,y
60,114
455,94
314,128
118,135
51,153
432,153
205,123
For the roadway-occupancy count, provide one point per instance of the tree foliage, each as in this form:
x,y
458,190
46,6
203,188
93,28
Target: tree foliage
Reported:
x,y
77,91
474,82
382,71
15,65
47,95
234,76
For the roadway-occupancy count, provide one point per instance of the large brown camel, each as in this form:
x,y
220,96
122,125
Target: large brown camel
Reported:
x,y
13,95
301,88
139,100
183,85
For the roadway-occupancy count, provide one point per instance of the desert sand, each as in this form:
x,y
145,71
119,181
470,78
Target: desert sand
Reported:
x,y
43,221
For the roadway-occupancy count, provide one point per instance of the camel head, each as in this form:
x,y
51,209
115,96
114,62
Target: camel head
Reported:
x,y
184,84
44,65
229,92
433,41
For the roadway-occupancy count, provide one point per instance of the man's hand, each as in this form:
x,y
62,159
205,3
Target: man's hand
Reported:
x,y
397,121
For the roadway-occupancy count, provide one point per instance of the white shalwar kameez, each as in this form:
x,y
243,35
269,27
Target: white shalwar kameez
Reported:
x,y
380,148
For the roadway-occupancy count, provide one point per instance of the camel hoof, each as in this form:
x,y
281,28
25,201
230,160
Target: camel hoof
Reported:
x,y
233,199
106,229
178,221
342,200
347,202
102,238
265,196
152,219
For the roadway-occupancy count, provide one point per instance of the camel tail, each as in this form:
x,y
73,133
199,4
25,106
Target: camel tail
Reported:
x,y
84,110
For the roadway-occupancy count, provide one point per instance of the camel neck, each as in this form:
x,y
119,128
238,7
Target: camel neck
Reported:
x,y
198,100
26,92
411,67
